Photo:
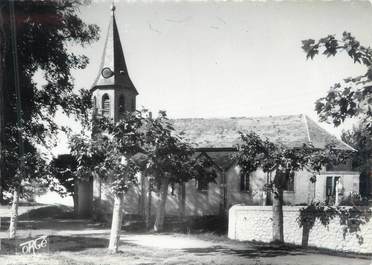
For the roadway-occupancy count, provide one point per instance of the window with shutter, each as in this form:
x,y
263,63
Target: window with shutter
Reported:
x,y
202,185
289,185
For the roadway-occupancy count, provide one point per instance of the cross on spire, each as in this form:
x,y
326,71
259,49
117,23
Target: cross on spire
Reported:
x,y
113,8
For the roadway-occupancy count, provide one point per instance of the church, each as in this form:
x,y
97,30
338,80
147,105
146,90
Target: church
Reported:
x,y
113,93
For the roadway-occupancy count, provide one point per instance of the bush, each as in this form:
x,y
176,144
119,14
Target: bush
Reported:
x,y
354,199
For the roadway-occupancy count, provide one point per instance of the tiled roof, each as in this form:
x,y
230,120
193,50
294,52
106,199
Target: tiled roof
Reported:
x,y
290,130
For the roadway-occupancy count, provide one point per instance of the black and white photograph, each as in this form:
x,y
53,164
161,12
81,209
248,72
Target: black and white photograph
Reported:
x,y
185,132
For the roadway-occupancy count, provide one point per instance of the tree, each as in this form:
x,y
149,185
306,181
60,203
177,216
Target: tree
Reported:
x,y
34,169
111,154
280,164
64,169
351,97
169,161
2,77
137,144
361,140
43,31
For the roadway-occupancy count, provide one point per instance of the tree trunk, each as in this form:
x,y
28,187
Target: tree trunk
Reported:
x,y
14,215
75,197
278,215
182,200
85,198
160,211
117,218
182,206
305,234
2,95
223,210
76,205
148,208
142,198
97,189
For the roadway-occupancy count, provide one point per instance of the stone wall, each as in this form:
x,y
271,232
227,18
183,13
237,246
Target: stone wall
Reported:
x,y
254,223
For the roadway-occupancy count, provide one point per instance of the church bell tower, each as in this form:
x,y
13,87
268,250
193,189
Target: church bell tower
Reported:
x,y
113,92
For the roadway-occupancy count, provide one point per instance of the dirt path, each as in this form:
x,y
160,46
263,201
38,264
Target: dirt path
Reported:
x,y
231,252
79,242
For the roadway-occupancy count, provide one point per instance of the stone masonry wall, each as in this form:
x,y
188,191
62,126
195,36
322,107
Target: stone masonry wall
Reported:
x,y
254,223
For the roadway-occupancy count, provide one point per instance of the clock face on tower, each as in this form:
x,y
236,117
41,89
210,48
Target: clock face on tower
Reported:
x,y
107,73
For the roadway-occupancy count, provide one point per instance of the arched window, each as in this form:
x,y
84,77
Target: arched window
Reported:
x,y
289,185
106,105
202,184
121,104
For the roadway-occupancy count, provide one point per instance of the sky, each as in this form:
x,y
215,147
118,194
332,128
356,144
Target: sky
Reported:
x,y
226,59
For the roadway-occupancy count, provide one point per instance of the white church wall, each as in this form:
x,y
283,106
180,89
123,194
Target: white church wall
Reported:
x,y
197,202
235,195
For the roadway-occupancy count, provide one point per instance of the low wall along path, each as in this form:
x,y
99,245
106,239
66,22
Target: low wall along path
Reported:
x,y
254,223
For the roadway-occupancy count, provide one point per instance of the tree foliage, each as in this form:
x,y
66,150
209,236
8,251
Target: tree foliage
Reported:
x,y
351,97
44,32
283,161
148,145
351,219
102,156
204,169
255,152
168,155
63,168
361,140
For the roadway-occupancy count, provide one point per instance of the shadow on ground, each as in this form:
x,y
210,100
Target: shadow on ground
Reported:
x,y
56,243
248,253
53,217
51,211
261,250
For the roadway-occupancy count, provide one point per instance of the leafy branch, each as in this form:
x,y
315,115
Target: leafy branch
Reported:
x,y
352,97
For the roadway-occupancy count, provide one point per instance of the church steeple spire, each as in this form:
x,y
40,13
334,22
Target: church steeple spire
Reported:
x,y
113,81
113,69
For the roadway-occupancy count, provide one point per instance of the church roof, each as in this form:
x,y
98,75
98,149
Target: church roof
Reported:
x,y
290,130
113,58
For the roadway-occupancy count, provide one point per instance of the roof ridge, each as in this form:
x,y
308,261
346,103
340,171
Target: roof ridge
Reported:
x,y
328,133
101,63
235,118
292,130
349,146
